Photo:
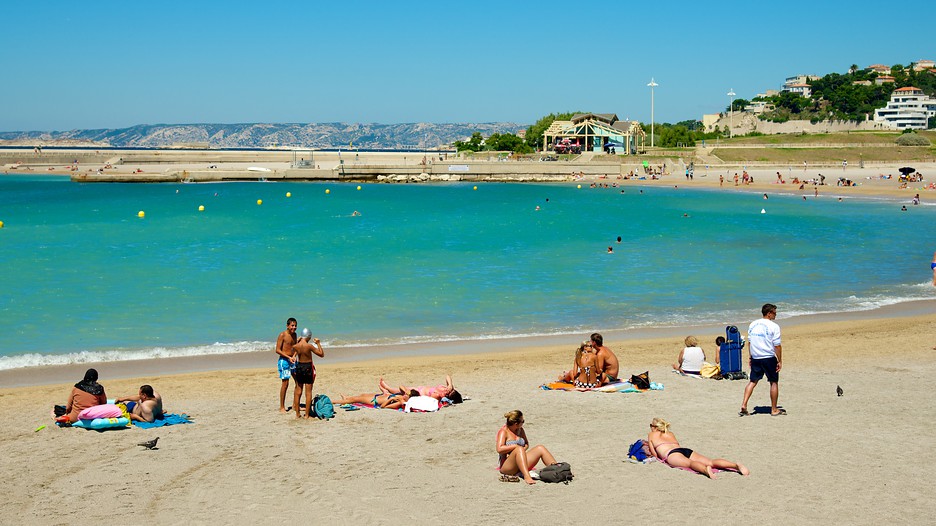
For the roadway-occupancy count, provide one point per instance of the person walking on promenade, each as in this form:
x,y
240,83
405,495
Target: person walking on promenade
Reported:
x,y
766,358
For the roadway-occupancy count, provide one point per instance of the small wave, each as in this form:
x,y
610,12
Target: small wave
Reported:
x,y
121,355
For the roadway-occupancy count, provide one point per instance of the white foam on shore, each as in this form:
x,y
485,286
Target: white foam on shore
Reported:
x,y
920,291
123,355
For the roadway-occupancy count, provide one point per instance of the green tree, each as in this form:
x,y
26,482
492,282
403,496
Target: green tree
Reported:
x,y
506,142
738,105
473,144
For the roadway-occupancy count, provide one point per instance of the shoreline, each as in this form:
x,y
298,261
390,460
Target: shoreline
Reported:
x,y
494,348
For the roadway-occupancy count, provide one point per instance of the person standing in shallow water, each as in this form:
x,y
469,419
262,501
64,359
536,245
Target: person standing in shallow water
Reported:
x,y
286,362
933,267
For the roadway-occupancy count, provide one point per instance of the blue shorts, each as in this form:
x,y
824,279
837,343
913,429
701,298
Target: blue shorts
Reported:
x,y
285,368
761,367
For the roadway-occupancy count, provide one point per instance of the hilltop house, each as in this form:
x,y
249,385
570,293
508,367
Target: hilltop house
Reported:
x,y
908,108
799,84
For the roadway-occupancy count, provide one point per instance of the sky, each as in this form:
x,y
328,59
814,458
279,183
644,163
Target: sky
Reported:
x,y
106,64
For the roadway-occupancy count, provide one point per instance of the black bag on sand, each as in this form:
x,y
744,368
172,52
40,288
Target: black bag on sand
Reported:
x,y
558,472
641,381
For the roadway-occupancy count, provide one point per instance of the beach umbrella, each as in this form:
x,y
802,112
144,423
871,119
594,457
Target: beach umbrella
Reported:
x,y
906,170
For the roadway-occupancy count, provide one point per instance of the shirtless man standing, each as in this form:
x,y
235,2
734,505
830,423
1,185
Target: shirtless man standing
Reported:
x,y
285,364
607,361
304,375
148,406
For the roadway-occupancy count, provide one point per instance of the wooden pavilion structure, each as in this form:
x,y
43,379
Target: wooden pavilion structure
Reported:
x,y
593,131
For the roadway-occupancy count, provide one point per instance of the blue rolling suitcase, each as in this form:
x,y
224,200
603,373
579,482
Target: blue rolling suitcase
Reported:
x,y
729,355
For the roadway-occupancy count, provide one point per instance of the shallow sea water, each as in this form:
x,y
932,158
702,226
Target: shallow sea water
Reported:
x,y
85,279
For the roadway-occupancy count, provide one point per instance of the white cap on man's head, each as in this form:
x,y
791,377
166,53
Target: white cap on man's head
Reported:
x,y
306,333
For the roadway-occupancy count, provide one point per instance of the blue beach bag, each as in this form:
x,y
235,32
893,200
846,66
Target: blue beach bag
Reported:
x,y
322,407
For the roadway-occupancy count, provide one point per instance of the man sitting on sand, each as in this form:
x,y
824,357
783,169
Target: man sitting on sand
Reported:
x,y
147,405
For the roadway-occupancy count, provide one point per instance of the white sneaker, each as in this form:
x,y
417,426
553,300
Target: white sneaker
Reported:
x,y
534,475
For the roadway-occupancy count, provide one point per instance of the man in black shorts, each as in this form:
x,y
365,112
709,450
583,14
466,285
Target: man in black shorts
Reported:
x,y
304,375
766,358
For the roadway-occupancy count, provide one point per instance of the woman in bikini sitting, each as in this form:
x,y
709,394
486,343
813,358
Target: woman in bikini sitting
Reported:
x,y
585,371
515,454
664,445
438,392
378,401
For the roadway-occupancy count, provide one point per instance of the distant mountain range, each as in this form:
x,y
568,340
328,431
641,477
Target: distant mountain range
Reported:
x,y
322,135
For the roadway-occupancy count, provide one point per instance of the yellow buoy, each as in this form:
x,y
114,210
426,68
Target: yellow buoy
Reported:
x,y
141,214
288,194
359,187
475,188
327,191
201,208
259,201
579,186
1,224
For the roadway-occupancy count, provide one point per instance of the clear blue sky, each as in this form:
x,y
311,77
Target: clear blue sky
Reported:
x,y
106,64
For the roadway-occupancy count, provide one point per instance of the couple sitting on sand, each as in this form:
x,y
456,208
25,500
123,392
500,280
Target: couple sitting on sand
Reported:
x,y
594,365
146,406
396,397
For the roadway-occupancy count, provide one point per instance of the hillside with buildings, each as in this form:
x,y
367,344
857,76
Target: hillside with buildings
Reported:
x,y
878,97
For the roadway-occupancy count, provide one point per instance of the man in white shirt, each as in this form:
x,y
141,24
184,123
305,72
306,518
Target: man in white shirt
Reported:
x,y
766,358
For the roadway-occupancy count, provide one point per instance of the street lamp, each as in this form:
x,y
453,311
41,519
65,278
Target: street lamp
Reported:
x,y
651,85
731,94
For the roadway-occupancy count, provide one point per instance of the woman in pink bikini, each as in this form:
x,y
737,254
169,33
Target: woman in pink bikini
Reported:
x,y
438,392
665,447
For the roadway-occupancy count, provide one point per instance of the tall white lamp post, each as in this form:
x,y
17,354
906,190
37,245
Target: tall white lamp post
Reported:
x,y
651,85
731,95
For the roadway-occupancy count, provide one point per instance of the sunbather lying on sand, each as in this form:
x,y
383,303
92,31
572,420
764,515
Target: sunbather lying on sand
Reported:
x,y
378,400
664,445
438,392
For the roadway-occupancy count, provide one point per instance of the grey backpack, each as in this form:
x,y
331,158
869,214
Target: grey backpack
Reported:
x,y
558,472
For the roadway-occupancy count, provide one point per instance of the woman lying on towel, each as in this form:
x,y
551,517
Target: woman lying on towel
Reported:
x,y
438,392
585,371
379,400
515,453
664,445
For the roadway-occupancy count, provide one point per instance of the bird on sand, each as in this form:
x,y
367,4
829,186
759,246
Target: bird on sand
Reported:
x,y
838,390
149,445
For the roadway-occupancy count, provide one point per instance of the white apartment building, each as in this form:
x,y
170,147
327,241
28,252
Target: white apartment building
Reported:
x,y
799,84
908,108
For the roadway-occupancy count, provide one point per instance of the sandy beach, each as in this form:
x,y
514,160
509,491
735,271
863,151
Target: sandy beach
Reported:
x,y
834,460
838,460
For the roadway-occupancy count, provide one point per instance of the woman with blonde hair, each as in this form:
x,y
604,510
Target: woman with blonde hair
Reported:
x,y
585,371
691,358
665,447
515,454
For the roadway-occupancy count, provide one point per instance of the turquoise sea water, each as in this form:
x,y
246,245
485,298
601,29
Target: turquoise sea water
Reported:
x,y
84,279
